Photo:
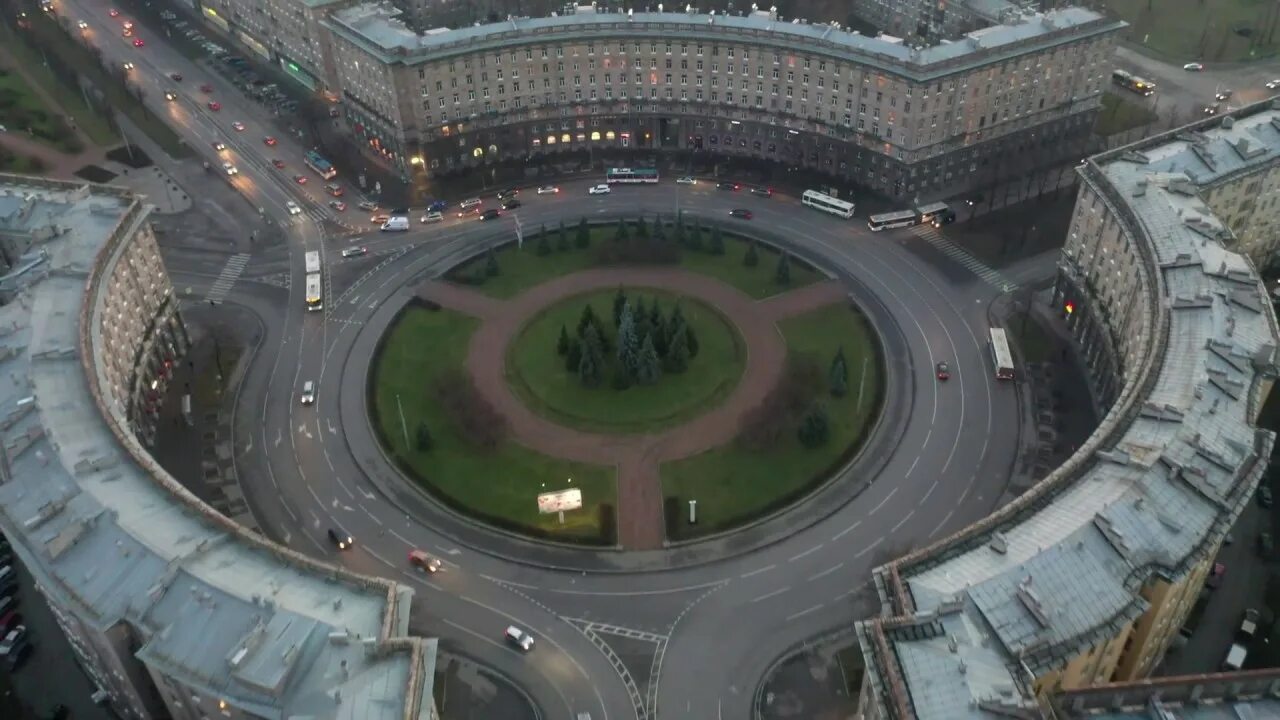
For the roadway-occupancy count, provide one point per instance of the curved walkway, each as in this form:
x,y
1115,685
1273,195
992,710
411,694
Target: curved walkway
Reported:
x,y
637,457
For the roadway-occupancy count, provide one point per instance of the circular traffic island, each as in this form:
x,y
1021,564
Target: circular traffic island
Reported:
x,y
593,389
625,361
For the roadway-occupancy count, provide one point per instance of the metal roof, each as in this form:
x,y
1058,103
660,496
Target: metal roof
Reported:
x,y
109,533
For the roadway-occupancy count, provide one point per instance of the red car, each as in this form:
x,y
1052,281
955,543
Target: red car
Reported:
x,y
214,105
300,179
943,371
206,88
137,42
1216,576
278,163
268,140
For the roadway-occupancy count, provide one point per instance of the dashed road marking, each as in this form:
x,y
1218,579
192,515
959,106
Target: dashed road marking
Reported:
x,y
930,234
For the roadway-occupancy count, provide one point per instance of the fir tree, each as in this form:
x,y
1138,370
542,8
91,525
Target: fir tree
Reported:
x,y
815,427
562,238
648,370
640,314
425,441
838,375
562,345
619,302
591,366
695,237
717,241
583,237
573,356
659,232
628,342
658,328
677,360
621,233
586,320
752,258
782,275
543,248
642,228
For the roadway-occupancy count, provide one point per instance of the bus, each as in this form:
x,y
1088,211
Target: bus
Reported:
x,y
322,167
1133,83
631,175
828,204
888,221
1000,356
314,299
313,262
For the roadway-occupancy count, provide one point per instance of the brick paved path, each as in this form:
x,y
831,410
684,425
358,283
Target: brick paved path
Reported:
x,y
637,457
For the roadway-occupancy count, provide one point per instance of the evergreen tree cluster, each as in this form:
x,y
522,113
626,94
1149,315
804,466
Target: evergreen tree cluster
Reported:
x,y
645,344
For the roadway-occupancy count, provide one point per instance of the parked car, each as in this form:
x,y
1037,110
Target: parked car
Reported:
x,y
1249,625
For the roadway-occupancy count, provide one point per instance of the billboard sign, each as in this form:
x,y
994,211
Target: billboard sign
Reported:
x,y
559,501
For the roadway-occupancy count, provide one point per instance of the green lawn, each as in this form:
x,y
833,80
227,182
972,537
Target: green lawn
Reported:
x,y
500,485
69,99
21,111
1120,114
522,268
1206,30
733,485
537,372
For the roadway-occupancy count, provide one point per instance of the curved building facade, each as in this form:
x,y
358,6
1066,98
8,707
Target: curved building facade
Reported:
x,y
173,610
1085,580
869,111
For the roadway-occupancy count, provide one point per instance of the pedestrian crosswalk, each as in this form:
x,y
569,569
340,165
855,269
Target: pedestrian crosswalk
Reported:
x,y
931,235
227,278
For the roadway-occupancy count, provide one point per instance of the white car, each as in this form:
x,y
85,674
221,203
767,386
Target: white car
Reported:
x,y
434,216
354,252
686,180
520,638
293,208
548,190
1273,84
230,169
83,25
308,392
1193,67
239,126
127,66
601,189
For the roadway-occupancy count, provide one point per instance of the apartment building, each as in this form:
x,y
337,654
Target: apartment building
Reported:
x,y
1086,578
871,111
283,32
173,610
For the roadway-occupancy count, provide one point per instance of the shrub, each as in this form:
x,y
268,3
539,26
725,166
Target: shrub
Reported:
x,y
491,263
752,258
608,524
562,344
424,440
782,275
815,427
583,237
477,421
562,238
717,241
543,248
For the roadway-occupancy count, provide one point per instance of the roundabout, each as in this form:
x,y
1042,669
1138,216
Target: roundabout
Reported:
x,y
737,390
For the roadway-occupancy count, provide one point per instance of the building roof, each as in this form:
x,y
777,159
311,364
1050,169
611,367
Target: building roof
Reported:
x,y
378,29
1158,486
107,531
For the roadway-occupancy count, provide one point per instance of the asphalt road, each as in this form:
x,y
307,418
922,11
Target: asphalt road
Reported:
x,y
1183,95
688,633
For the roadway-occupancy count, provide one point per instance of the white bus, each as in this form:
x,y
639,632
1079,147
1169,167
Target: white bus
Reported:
x,y
314,299
926,214
826,203
888,221
1000,356
313,262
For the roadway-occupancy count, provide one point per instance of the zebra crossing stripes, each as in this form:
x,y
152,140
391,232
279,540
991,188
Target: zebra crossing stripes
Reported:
x,y
930,234
227,278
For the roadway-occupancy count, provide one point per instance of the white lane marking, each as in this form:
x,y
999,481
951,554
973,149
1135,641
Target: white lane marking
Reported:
x,y
903,521
810,551
473,633
845,531
868,548
945,518
381,559
768,595
804,612
826,572
928,493
876,509
634,593
757,571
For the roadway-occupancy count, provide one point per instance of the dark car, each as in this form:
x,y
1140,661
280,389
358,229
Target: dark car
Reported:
x,y
743,213
176,77
510,204
943,371
762,192
946,217
339,537
508,193
437,206
727,185
491,214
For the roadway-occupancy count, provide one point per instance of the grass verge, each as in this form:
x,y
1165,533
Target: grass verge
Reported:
x,y
1209,30
1120,114
69,99
498,486
21,110
734,485
523,268
537,374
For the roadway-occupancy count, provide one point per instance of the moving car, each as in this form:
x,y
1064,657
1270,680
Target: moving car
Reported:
x,y
292,207
508,193
239,126
278,163
491,214
82,25
510,204
743,213
518,637
420,559
338,205
230,169
355,252
1236,655
1223,95
437,206
1273,84
379,219
548,190
1193,67
137,42
434,216
600,189
341,538
727,185
686,180
1249,625
113,12
333,189
128,67
1266,546
469,205
399,223
214,105
206,88
367,205
308,392
1212,109
175,76
300,179
170,95
943,371
762,192
268,141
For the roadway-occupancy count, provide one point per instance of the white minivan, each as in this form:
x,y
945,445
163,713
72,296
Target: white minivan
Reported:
x,y
398,223
469,203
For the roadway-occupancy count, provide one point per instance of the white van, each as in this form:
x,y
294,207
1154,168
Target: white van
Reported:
x,y
1235,658
399,223
466,205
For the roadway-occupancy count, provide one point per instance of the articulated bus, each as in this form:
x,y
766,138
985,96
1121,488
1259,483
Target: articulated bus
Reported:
x,y
1000,356
631,176
1133,83
828,204
314,299
888,221
322,167
313,262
